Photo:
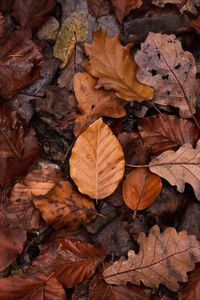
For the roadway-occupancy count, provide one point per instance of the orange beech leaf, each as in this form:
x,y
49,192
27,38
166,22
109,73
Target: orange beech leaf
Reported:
x,y
94,103
123,7
63,206
111,63
140,188
37,287
72,261
163,258
97,161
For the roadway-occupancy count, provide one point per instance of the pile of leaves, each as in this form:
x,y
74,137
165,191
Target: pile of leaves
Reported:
x,y
99,149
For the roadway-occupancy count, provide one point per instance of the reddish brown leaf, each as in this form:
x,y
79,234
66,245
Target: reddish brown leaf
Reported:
x,y
2,28
31,288
196,25
72,261
12,241
99,8
192,289
123,7
32,13
140,188
18,145
168,133
20,60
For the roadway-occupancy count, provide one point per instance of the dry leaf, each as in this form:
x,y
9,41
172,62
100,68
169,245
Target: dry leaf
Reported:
x,y
73,30
141,188
111,63
63,206
196,25
168,133
97,161
49,30
169,70
192,289
163,258
123,7
183,5
99,8
180,167
72,261
94,103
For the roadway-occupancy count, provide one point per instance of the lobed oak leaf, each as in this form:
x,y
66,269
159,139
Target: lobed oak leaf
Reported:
x,y
94,103
123,7
168,133
140,188
111,63
63,206
35,287
163,258
72,261
180,167
97,161
189,5
169,70
99,8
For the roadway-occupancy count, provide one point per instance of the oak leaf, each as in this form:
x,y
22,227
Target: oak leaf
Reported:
x,y
192,289
141,188
72,261
99,8
63,206
73,30
180,167
123,7
111,63
167,133
188,5
97,161
94,103
163,258
169,70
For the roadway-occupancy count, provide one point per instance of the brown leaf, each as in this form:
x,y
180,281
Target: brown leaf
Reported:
x,y
20,61
111,63
94,103
99,8
72,261
192,289
167,134
180,167
31,288
141,188
18,145
97,161
64,206
196,24
12,243
123,7
20,207
170,70
32,13
163,258
189,5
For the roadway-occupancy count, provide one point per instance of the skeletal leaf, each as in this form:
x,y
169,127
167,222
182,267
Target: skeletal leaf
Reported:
x,y
180,167
73,30
97,161
163,258
169,70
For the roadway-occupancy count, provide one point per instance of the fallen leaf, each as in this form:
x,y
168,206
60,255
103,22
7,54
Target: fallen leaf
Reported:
x,y
169,70
163,258
72,261
73,30
49,30
196,24
2,26
20,61
63,206
12,242
141,188
192,289
6,5
99,8
123,7
20,207
167,133
32,13
18,145
39,287
111,63
188,5
180,167
94,103
97,161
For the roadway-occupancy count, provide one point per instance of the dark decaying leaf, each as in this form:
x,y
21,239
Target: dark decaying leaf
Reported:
x,y
99,8
72,261
18,145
